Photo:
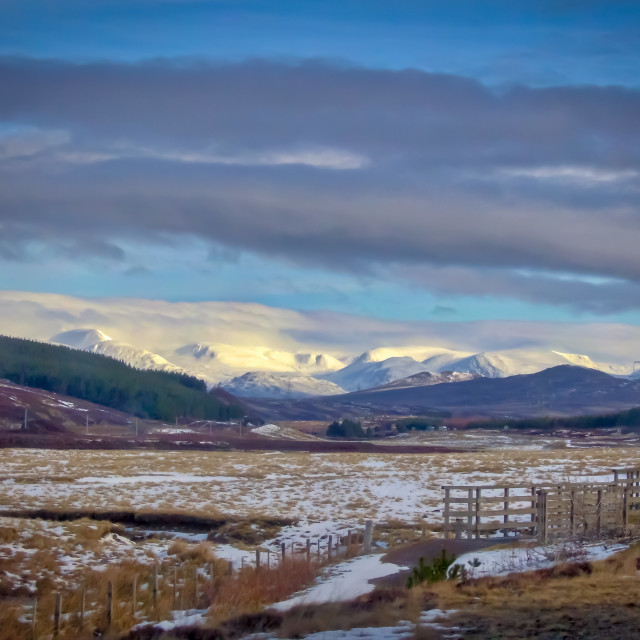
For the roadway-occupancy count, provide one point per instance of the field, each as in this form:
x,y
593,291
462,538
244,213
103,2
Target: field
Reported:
x,y
71,516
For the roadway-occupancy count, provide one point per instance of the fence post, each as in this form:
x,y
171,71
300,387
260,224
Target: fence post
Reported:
x,y
134,591
34,616
268,559
175,587
83,604
541,510
196,593
477,509
470,512
284,552
368,536
154,586
599,512
572,513
109,604
505,519
329,548
257,559
459,528
625,509
56,615
447,495
308,550
533,508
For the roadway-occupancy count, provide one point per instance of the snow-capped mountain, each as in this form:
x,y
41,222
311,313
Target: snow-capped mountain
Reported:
x,y
220,341
366,373
426,378
96,341
260,384
80,338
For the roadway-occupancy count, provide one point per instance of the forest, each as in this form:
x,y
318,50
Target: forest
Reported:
x,y
157,395
628,418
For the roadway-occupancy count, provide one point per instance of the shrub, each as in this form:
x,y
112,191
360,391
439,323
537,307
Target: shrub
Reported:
x,y
433,572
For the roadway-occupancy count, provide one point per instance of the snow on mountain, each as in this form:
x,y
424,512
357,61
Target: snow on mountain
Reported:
x,y
138,358
218,341
260,384
80,338
426,378
365,372
96,341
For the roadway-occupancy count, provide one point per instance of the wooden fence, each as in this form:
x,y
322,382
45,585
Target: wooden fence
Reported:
x,y
568,509
175,586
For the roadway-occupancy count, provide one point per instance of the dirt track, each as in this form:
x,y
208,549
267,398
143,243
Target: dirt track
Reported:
x,y
410,555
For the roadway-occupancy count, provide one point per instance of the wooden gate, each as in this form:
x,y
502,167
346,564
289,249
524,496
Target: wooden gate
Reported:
x,y
585,509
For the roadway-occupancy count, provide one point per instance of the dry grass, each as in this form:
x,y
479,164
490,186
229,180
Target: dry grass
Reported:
x,y
580,600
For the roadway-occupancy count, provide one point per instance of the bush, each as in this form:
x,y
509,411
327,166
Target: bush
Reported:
x,y
434,572
346,429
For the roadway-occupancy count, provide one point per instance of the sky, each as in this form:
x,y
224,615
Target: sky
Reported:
x,y
411,161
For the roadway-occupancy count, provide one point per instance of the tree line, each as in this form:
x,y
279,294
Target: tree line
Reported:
x,y
157,395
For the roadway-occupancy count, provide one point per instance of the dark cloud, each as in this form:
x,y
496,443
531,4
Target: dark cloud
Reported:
x,y
346,168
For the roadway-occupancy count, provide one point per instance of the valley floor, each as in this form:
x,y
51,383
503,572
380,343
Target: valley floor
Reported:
x,y
261,500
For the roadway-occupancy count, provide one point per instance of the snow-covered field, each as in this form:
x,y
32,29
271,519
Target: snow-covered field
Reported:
x,y
325,492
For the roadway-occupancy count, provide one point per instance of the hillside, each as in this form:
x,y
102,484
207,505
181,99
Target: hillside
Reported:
x,y
157,395
562,390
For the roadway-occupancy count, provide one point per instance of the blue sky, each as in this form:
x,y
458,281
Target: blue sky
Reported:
x,y
409,160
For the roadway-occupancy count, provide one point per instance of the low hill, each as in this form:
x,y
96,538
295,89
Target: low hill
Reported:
x,y
158,395
562,390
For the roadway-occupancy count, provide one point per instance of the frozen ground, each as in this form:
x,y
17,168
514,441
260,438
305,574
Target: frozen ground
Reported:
x,y
499,562
340,489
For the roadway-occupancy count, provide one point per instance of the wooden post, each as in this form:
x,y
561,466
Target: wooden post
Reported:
x,y
459,527
572,513
329,548
34,617
56,615
134,593
230,568
447,493
242,562
625,509
175,587
257,559
477,514
470,512
599,512
109,604
505,518
268,559
154,586
318,556
196,594
533,509
284,551
542,516
368,536
308,550
83,604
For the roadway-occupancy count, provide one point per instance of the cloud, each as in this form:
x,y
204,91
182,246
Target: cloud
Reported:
x,y
380,172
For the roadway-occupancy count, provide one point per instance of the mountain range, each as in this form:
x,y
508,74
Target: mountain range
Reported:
x,y
257,351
